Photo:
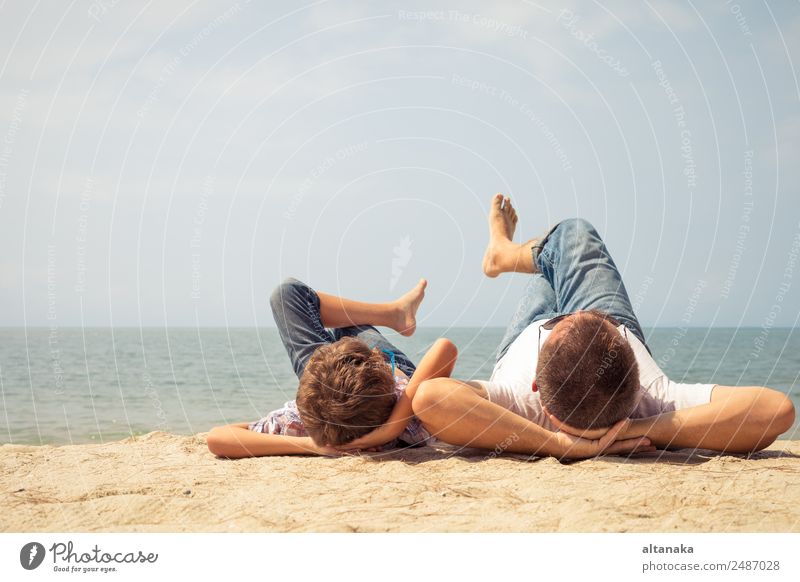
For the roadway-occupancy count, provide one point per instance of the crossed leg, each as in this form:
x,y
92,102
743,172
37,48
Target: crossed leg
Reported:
x,y
303,316
571,270
502,254
573,260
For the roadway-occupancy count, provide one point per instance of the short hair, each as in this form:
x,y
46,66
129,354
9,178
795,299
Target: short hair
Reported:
x,y
346,390
588,376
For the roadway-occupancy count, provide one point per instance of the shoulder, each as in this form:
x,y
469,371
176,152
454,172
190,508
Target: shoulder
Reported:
x,y
649,370
400,383
284,420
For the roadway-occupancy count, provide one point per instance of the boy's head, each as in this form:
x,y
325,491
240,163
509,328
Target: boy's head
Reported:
x,y
346,391
587,373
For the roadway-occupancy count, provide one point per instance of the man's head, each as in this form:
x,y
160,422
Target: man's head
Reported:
x,y
346,390
587,374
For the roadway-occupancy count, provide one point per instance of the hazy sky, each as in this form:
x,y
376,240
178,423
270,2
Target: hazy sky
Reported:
x,y
171,162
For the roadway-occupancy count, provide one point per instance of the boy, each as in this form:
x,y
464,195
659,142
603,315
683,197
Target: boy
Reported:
x,y
353,381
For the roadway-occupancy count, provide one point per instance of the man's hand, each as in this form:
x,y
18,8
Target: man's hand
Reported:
x,y
574,447
587,433
738,419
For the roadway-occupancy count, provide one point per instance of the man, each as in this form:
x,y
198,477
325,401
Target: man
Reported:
x,y
574,376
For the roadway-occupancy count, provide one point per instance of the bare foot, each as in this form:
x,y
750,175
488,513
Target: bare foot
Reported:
x,y
407,305
502,223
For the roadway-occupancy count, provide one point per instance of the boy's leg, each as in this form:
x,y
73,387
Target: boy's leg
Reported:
x,y
399,314
375,339
302,316
296,309
575,261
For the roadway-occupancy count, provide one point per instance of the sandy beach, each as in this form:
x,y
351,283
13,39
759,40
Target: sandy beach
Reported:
x,y
169,483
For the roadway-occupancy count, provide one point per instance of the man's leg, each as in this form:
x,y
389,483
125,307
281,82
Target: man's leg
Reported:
x,y
538,302
503,255
571,257
576,262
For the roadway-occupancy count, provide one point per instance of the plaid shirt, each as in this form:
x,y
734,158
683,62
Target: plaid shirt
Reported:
x,y
286,421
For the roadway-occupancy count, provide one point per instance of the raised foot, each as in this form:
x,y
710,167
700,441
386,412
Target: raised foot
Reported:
x,y
407,305
499,259
501,249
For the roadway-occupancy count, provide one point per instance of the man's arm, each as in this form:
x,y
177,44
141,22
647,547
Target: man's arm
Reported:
x,y
236,441
737,420
437,362
460,414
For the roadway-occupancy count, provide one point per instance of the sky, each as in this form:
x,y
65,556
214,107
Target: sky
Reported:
x,y
170,163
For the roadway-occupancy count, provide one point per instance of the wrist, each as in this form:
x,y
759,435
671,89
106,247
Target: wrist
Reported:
x,y
391,431
638,427
310,445
555,446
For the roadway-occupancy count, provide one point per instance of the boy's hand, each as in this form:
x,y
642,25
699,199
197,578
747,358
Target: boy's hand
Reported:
x,y
322,450
372,440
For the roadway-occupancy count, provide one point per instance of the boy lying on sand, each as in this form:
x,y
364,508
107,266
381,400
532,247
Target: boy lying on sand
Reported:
x,y
352,379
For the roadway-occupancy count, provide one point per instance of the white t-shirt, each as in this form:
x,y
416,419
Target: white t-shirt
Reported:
x,y
511,384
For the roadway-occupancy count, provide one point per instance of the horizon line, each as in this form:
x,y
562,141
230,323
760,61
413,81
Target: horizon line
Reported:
x,y
644,326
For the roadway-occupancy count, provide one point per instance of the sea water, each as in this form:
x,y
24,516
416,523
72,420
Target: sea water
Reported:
x,y
101,384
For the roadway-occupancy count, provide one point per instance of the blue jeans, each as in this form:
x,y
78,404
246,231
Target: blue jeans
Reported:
x,y
295,307
573,272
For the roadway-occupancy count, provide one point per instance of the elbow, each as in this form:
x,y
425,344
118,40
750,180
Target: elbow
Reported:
x,y
784,415
776,418
216,441
777,413
419,401
447,348
427,399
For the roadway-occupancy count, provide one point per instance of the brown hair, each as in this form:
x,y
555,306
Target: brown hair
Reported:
x,y
346,391
587,375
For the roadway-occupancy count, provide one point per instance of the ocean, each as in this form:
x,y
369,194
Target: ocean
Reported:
x,y
72,385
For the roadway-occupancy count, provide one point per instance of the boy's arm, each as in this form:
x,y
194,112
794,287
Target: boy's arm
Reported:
x,y
437,362
236,441
738,419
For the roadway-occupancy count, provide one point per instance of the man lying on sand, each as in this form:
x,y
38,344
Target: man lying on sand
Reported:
x,y
574,360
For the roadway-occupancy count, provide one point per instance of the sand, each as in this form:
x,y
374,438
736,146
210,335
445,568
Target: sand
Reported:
x,y
169,483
